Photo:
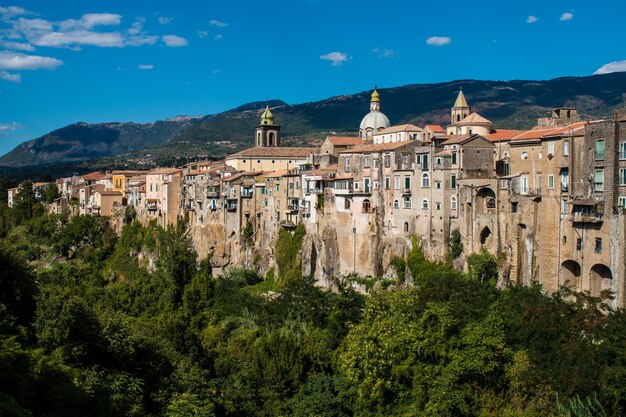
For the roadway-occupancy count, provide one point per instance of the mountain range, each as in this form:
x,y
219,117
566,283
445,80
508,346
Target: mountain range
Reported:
x,y
509,104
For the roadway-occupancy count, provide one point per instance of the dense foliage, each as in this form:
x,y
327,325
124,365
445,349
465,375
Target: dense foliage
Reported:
x,y
94,324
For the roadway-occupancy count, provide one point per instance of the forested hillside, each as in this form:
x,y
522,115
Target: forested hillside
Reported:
x,y
95,324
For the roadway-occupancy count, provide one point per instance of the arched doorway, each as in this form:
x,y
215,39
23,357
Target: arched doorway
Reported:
x,y
484,235
485,201
600,278
570,274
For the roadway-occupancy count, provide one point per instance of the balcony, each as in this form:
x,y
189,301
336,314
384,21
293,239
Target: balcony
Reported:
x,y
406,191
586,217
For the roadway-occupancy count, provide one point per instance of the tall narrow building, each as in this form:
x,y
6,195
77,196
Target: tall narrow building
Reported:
x,y
267,133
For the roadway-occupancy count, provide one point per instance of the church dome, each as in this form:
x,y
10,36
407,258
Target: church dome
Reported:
x,y
375,120
267,118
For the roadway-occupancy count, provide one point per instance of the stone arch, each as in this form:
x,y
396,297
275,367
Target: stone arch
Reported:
x,y
272,139
600,278
485,200
571,274
484,235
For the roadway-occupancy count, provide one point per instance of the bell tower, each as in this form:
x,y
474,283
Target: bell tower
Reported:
x,y
460,110
267,134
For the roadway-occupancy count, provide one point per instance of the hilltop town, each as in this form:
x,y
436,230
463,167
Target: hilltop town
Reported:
x,y
549,202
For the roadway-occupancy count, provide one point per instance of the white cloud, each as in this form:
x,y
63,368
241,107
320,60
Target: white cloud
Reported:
x,y
165,20
91,20
18,46
567,16
217,23
202,34
218,37
7,76
531,19
16,61
438,40
141,40
384,53
80,37
617,66
174,41
12,11
146,66
137,26
6,127
336,58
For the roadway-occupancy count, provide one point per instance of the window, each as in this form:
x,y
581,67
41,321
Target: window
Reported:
x,y
551,147
346,204
437,161
566,147
425,180
347,165
600,149
356,185
366,161
622,150
418,159
564,240
297,184
514,207
387,183
579,244
367,206
387,160
563,206
396,204
453,203
407,202
424,204
376,185
425,162
598,245
277,187
622,176
524,185
524,155
438,206
376,163
598,180
150,187
550,182
564,179
621,204
454,158
453,182
396,182
438,185
366,184
407,183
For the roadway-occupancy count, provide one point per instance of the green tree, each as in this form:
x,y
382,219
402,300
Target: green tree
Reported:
x,y
483,266
25,202
51,193
455,244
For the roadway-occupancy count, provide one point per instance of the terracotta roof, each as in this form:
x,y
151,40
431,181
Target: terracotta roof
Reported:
x,y
344,177
126,173
503,135
401,128
110,193
474,119
564,131
241,174
93,176
377,147
456,139
278,152
435,128
322,171
444,153
164,171
345,140
278,174
538,132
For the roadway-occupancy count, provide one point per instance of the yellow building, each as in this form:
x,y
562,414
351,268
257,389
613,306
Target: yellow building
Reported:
x,y
120,180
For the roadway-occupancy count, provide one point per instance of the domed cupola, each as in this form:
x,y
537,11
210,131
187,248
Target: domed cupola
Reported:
x,y
373,121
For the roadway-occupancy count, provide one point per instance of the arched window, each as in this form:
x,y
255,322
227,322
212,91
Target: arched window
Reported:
x,y
258,139
346,204
425,180
453,203
424,204
271,141
367,207
406,226
396,204
407,202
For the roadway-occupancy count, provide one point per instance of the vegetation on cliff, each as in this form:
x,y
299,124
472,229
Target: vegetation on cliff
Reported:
x,y
94,324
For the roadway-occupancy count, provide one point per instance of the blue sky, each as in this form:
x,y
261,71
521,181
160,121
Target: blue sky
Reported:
x,y
96,60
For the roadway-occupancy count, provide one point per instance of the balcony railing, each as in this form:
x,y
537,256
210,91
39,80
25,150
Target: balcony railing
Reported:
x,y
586,217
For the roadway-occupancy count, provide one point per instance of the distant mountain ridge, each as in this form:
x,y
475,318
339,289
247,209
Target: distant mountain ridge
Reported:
x,y
509,104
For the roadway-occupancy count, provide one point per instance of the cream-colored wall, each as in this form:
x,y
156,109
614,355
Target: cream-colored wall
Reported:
x,y
264,164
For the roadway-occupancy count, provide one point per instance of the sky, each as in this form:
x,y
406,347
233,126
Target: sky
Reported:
x,y
93,61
